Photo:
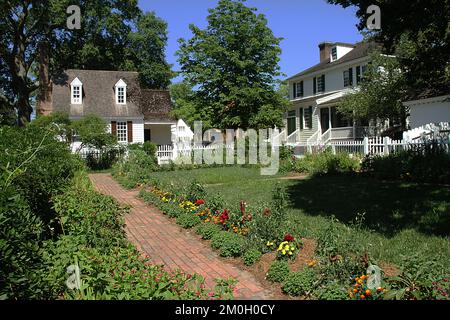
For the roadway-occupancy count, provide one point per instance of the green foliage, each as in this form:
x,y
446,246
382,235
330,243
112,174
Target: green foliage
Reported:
x,y
188,220
251,256
119,274
208,230
96,220
116,36
423,49
146,52
300,283
135,169
381,93
228,243
419,279
234,64
38,165
93,132
430,163
278,271
327,163
21,232
331,291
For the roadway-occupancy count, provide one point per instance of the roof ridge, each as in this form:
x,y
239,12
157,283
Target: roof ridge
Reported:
x,y
96,70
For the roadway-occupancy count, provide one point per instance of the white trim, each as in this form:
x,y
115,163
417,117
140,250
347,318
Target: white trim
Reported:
x,y
325,70
426,101
76,88
119,86
121,133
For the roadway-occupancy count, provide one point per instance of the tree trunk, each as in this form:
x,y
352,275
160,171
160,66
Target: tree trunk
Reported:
x,y
44,106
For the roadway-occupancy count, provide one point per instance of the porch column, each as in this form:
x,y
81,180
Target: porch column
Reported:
x,y
329,121
354,130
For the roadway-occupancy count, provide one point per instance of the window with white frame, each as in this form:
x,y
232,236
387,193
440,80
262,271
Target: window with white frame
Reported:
x,y
122,132
121,92
76,91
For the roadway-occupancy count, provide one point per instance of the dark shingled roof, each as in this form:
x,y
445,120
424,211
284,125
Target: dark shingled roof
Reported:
x,y
156,104
99,97
362,49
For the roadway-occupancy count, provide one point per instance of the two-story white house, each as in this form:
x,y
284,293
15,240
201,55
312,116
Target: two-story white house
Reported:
x,y
314,93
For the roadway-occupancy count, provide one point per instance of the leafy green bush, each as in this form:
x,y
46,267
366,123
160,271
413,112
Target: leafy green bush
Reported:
x,y
331,291
268,223
300,283
40,164
121,273
278,271
92,217
188,220
208,230
431,163
327,163
229,244
21,232
251,256
136,169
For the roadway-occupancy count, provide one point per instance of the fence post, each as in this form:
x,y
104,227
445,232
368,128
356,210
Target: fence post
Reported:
x,y
386,146
366,146
333,148
174,151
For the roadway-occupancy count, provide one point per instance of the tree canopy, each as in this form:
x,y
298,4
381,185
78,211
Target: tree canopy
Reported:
x,y
418,33
114,35
380,94
233,66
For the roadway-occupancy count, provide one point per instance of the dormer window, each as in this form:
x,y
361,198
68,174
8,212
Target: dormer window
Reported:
x,y
121,92
334,53
76,91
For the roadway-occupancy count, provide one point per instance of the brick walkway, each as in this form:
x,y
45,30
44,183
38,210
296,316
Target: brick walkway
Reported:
x,y
168,244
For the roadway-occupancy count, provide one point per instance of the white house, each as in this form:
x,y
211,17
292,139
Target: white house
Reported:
x,y
431,110
314,93
134,114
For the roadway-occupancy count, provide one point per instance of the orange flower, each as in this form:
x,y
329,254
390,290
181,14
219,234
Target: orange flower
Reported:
x,y
368,292
363,297
355,290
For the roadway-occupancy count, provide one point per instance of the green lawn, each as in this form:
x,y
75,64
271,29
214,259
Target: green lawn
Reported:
x,y
399,218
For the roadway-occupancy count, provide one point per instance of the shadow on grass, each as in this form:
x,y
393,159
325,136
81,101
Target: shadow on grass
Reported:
x,y
389,207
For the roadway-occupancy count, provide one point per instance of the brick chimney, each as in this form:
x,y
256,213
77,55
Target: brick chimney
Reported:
x,y
325,50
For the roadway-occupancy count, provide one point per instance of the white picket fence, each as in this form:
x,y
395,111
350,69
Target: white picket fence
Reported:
x,y
168,153
378,146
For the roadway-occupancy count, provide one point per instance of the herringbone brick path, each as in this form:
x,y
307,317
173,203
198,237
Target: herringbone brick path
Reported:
x,y
168,244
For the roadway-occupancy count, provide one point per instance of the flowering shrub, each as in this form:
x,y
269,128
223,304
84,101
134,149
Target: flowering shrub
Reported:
x,y
288,248
360,291
199,202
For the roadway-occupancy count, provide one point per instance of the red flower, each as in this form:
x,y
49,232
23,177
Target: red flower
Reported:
x,y
200,202
289,237
224,216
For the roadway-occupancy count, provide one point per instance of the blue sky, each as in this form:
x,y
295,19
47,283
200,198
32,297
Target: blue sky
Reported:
x,y
302,23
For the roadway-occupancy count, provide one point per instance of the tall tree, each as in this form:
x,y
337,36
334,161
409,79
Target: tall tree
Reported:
x,y
107,40
233,65
380,94
418,33
146,52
